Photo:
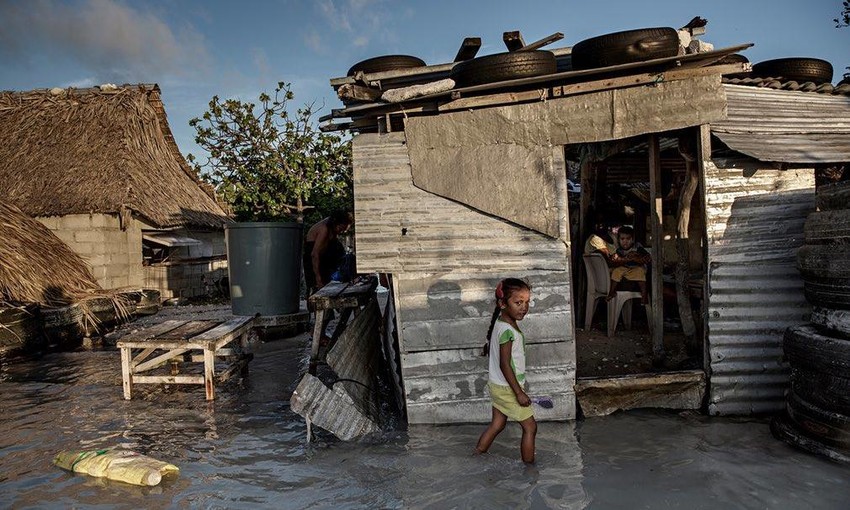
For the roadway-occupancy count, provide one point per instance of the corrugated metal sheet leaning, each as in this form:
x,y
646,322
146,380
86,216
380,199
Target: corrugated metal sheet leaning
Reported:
x,y
755,221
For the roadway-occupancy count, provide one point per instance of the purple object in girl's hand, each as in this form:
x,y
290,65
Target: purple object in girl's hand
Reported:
x,y
544,402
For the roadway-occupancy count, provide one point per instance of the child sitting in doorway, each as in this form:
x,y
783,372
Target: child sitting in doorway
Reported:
x,y
629,262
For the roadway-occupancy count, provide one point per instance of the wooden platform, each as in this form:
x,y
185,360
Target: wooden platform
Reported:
x,y
183,345
672,390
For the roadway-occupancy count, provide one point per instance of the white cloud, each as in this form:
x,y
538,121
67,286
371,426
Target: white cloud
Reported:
x,y
81,83
360,17
116,41
314,41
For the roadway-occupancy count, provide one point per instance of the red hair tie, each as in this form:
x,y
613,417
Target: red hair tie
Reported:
x,y
500,294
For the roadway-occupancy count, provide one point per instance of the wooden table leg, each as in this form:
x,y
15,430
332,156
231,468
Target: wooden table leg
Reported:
x,y
127,372
209,372
318,332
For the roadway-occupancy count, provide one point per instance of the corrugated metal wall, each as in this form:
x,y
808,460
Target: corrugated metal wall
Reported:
x,y
446,259
755,219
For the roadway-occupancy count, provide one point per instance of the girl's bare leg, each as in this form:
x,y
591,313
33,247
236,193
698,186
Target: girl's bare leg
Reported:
x,y
497,425
529,432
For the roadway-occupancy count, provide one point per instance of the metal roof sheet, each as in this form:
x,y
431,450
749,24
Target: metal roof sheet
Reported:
x,y
786,126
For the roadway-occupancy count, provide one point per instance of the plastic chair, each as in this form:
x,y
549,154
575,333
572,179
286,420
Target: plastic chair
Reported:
x,y
598,284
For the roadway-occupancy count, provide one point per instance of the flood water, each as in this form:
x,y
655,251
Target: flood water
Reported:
x,y
248,450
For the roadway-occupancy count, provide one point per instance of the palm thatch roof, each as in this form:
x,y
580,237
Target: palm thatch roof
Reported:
x,y
36,266
99,150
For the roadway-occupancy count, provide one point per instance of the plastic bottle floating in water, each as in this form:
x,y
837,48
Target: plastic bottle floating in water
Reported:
x,y
120,465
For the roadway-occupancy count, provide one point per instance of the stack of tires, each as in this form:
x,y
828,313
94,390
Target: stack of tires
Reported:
x,y
818,403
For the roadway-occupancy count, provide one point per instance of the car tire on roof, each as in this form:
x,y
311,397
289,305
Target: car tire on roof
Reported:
x,y
504,66
799,69
625,47
386,63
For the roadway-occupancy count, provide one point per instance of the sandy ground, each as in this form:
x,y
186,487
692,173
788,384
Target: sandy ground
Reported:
x,y
628,351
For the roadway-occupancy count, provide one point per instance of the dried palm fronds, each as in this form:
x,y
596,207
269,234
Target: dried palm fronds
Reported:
x,y
81,151
36,266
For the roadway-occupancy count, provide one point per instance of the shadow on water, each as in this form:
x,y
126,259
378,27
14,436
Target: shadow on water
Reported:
x,y
248,450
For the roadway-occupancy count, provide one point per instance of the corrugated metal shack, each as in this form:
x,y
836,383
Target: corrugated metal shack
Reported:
x,y
457,189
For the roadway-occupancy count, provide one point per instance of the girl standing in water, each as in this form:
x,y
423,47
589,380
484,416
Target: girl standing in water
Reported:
x,y
506,349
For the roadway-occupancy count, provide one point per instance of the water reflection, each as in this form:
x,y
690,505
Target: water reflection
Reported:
x,y
248,450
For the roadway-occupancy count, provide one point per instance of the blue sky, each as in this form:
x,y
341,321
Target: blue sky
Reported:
x,y
196,49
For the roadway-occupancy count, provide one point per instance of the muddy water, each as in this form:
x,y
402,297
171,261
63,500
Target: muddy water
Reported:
x,y
247,450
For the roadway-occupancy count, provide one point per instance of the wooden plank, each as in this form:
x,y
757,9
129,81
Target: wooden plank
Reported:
x,y
187,330
341,295
643,79
169,379
144,334
143,356
468,49
126,373
157,361
513,40
239,365
557,36
656,215
224,332
495,99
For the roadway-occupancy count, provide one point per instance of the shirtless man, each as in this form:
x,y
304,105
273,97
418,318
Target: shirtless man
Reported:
x,y
322,249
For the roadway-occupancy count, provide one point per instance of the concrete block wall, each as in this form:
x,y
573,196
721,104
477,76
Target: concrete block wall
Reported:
x,y
114,255
185,279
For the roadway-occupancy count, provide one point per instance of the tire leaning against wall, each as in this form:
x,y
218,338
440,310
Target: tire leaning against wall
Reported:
x,y
822,389
826,274
831,322
806,347
828,426
835,196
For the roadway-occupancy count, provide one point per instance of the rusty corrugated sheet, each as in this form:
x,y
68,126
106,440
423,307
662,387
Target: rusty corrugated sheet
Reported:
x,y
786,126
755,219
401,228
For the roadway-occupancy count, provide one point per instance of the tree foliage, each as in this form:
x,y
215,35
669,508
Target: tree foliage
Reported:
x,y
268,164
843,19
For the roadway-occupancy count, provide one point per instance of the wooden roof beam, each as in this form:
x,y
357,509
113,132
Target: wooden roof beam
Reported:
x,y
557,36
513,40
468,49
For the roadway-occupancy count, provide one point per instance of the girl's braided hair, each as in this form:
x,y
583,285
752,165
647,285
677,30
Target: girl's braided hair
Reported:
x,y
503,292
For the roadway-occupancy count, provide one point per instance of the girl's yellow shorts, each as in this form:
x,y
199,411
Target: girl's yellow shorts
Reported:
x,y
505,401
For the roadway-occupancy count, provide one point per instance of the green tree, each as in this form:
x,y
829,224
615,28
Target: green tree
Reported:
x,y
843,19
267,164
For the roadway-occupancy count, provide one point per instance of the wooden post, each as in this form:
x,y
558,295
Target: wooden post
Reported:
x,y
687,148
318,332
588,180
513,40
704,160
468,49
656,215
127,373
209,371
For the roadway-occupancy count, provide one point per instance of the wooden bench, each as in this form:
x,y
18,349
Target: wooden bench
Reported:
x,y
178,339
347,298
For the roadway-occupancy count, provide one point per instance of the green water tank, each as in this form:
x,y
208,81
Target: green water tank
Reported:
x,y
264,262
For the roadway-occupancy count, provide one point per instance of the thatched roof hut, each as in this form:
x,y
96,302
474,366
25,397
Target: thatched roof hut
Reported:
x,y
99,150
36,266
